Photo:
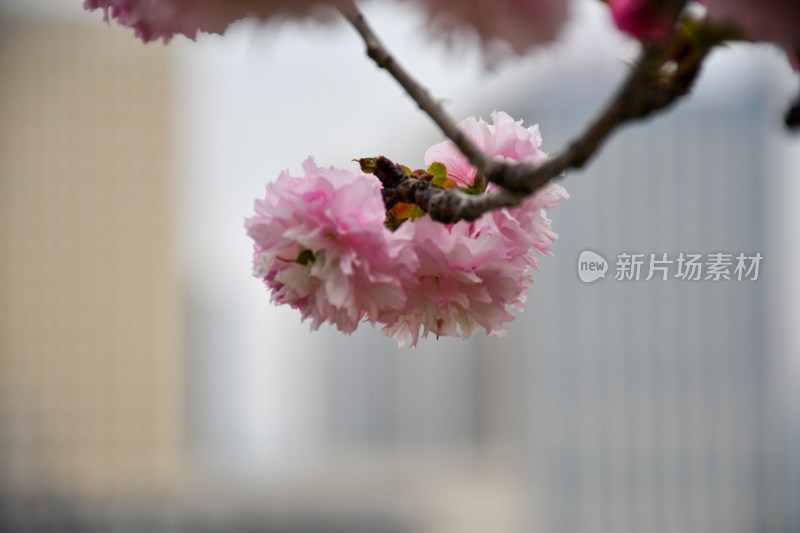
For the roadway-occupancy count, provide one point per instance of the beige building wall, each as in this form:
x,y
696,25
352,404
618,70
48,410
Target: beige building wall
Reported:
x,y
90,378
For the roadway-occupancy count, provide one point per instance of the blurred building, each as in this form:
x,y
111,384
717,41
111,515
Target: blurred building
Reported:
x,y
90,360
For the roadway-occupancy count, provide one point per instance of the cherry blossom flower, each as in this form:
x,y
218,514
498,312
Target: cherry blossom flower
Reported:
x,y
524,227
642,19
468,277
521,23
775,21
465,280
163,19
322,248
471,273
503,139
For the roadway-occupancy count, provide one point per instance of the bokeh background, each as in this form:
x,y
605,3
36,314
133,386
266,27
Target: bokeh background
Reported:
x,y
147,384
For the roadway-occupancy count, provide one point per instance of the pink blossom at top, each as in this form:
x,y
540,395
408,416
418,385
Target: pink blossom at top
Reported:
x,y
777,21
524,227
322,248
521,23
163,19
504,139
642,19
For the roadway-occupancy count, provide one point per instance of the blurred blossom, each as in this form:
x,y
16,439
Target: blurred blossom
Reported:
x,y
163,19
642,19
522,23
777,21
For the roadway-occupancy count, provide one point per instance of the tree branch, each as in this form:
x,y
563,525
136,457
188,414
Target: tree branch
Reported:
x,y
381,56
647,89
662,74
443,205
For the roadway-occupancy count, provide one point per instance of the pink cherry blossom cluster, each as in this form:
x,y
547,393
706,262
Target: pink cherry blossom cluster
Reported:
x,y
522,23
163,19
321,246
777,21
642,19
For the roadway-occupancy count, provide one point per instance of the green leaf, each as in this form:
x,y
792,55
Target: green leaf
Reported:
x,y
478,186
444,183
391,222
402,211
438,170
417,212
367,164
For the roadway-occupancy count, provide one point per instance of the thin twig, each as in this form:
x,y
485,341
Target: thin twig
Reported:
x,y
638,97
381,56
442,205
